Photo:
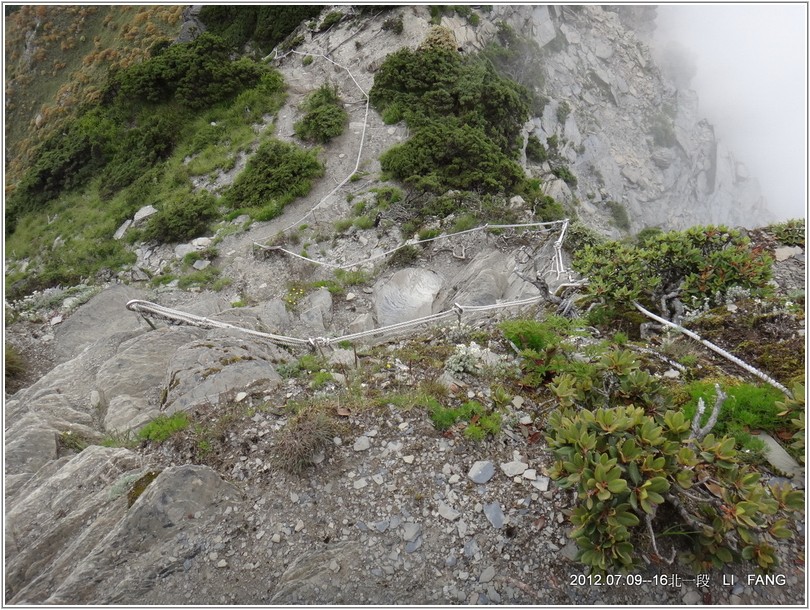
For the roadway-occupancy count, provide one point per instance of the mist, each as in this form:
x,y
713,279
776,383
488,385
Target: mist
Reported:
x,y
748,65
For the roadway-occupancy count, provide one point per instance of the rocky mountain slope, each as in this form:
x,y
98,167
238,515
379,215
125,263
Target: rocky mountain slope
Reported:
x,y
391,510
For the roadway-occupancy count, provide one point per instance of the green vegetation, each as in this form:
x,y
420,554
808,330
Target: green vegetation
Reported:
x,y
186,216
535,151
748,408
619,214
265,26
626,464
791,232
278,173
394,24
128,149
325,117
480,423
464,117
331,18
164,426
139,486
14,363
518,58
697,263
563,111
663,131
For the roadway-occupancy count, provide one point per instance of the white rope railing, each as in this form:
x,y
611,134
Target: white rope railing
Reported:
x,y
362,135
149,309
558,265
715,348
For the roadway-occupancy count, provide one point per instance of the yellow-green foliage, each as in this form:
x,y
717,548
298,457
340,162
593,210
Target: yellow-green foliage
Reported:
x,y
164,426
625,464
700,261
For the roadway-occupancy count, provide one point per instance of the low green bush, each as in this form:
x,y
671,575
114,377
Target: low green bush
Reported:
x,y
535,151
445,155
186,216
275,175
697,263
790,232
627,467
324,118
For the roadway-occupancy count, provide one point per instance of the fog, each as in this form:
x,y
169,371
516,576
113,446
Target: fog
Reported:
x,y
748,65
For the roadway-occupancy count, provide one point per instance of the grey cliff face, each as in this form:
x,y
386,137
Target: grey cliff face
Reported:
x,y
632,136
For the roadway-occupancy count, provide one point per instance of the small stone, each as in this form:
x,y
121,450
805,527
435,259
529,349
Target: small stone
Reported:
x,y
299,526
413,545
410,531
738,589
481,472
408,459
241,396
337,441
362,443
222,563
360,483
448,512
487,575
530,474
145,212
692,598
526,420
785,252
454,479
213,556
513,469
350,296
378,479
671,374
381,526
570,550
735,600
56,320
518,401
451,561
260,535
334,566
201,264
293,497
494,514
95,399
462,528
121,230
541,484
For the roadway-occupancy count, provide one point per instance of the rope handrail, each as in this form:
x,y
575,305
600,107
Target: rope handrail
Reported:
x,y
715,348
559,265
147,308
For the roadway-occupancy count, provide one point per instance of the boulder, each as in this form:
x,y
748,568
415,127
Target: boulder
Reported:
x,y
316,310
96,548
103,315
214,371
406,295
142,214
